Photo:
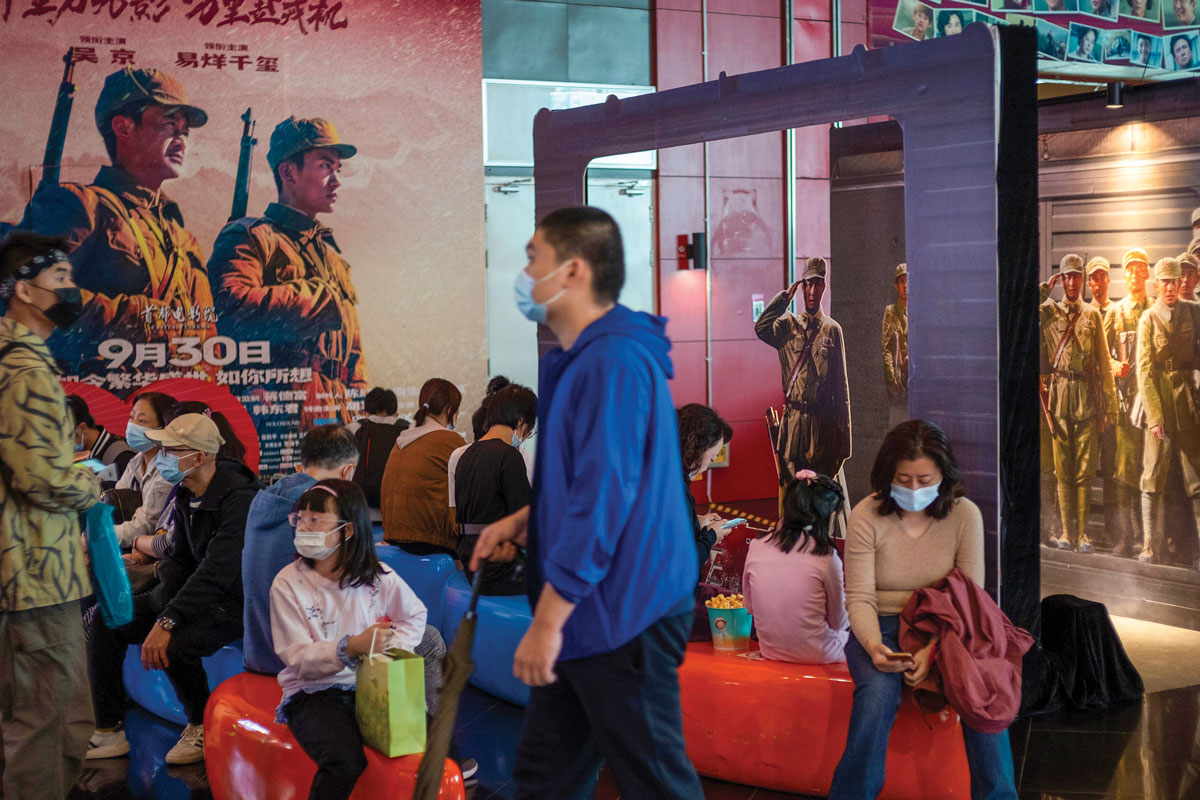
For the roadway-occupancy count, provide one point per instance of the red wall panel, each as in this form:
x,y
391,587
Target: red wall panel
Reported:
x,y
812,40
747,217
745,378
734,284
812,218
681,301
690,384
751,471
739,44
748,220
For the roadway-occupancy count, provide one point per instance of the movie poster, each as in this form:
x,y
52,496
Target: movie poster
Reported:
x,y
371,273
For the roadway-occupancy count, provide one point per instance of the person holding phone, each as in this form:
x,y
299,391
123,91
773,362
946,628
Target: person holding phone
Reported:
x,y
702,434
908,534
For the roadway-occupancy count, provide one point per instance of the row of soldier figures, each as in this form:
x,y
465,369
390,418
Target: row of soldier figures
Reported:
x,y
1120,394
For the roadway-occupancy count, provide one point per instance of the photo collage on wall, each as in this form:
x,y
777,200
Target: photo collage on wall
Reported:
x,y
1152,34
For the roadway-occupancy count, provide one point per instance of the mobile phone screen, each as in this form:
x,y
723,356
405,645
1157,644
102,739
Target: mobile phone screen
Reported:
x,y
733,523
93,464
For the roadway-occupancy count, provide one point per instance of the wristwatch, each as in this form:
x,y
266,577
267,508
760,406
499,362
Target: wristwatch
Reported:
x,y
167,624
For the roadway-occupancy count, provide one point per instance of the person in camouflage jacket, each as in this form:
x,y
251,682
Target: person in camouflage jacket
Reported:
x,y
45,705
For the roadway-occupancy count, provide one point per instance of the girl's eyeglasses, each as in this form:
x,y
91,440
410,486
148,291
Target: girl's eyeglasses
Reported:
x,y
298,519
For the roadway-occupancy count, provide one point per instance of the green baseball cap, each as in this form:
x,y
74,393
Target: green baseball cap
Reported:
x,y
294,136
130,87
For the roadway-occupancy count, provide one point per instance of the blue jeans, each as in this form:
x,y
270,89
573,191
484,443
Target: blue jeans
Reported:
x,y
860,773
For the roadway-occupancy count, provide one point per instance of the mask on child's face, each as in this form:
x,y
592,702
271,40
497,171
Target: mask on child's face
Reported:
x,y
312,544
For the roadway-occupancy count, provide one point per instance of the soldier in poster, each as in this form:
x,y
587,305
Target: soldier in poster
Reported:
x,y
281,276
1097,270
1121,328
140,269
895,350
1166,361
815,430
1077,395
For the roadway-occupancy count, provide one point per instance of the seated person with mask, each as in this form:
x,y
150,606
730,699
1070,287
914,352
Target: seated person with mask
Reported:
x,y
196,608
327,452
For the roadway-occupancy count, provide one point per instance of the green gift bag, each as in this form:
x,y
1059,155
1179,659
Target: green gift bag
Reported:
x,y
389,702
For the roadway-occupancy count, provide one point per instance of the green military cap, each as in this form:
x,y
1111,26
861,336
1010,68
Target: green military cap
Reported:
x,y
1194,246
132,87
1188,261
294,136
1096,264
1195,215
901,271
815,267
1071,262
1167,268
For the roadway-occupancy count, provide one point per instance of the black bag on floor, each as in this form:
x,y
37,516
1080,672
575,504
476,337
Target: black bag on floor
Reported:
x,y
1079,663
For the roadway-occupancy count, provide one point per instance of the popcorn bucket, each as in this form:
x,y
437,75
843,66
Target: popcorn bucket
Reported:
x,y
730,628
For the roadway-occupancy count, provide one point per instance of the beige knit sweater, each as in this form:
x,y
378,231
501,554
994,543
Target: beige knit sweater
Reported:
x,y
884,565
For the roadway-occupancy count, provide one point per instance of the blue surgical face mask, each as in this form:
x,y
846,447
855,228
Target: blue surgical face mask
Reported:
x,y
914,499
523,292
135,437
168,466
78,446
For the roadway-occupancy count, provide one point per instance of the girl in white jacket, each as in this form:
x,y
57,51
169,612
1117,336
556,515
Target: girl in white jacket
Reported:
x,y
325,608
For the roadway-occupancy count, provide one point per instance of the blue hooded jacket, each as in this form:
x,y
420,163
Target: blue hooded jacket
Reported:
x,y
268,549
609,527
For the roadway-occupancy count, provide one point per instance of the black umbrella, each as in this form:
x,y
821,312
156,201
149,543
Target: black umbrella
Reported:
x,y
459,667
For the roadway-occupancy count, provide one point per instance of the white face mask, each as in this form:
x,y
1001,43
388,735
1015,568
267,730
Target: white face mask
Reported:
x,y
311,544
915,499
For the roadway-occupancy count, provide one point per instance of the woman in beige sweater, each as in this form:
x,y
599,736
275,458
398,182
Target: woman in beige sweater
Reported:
x,y
910,533
415,492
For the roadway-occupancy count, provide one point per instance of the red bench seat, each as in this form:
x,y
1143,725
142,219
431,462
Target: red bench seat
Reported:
x,y
783,726
249,755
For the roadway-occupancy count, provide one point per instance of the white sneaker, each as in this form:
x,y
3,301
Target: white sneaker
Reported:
x,y
190,747
107,744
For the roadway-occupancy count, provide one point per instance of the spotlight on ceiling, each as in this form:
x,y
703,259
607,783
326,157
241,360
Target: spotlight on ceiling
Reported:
x,y
1115,91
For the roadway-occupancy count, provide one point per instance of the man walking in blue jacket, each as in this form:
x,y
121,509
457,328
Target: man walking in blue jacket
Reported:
x,y
611,559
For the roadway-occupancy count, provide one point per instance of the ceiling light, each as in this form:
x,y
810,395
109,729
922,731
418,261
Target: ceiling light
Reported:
x,y
1115,91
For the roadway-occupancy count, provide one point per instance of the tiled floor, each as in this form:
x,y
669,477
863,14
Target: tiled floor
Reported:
x,y
1147,751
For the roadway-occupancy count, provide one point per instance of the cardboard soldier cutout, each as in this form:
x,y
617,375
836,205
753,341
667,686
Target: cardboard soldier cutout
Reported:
x,y
814,432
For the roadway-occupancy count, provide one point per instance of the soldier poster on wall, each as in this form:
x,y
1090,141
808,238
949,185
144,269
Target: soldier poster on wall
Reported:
x,y
215,168
1121,408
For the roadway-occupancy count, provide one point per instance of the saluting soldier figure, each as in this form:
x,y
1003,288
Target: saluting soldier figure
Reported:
x,y
282,276
141,271
815,430
1128,444
1166,360
894,342
1079,395
1098,280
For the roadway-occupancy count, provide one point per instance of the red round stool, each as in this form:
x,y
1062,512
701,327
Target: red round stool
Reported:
x,y
248,754
783,726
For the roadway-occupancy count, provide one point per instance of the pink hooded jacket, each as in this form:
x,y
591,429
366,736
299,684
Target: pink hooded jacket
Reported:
x,y
979,654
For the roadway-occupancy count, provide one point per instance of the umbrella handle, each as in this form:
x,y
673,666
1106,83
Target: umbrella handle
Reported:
x,y
476,584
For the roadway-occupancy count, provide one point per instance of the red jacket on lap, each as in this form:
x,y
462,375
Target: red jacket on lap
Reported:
x,y
979,655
